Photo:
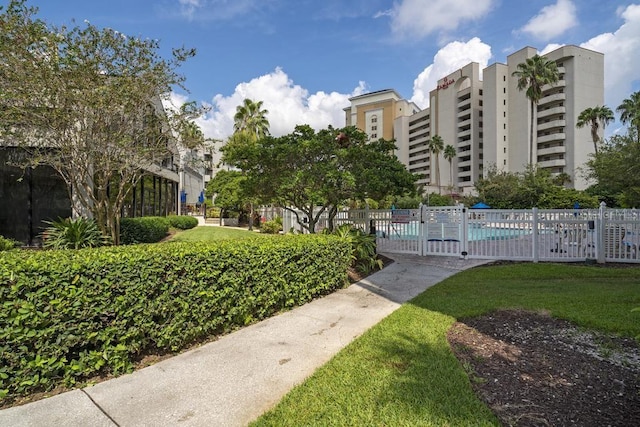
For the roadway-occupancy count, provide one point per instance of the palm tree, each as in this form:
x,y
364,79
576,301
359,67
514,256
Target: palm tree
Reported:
x,y
450,154
630,111
436,145
252,119
532,75
595,117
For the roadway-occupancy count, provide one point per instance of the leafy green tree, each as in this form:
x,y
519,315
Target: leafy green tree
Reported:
x,y
310,173
630,112
534,187
228,187
532,75
436,145
87,102
616,170
595,117
449,155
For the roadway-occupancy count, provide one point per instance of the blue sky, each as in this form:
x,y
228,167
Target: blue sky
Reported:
x,y
305,58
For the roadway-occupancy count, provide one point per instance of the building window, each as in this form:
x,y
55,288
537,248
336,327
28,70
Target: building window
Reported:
x,y
504,78
504,126
504,162
504,90
374,127
480,91
504,138
504,102
504,150
504,114
374,119
481,102
374,135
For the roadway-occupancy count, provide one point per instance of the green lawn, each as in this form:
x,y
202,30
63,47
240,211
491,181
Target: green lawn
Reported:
x,y
208,233
402,371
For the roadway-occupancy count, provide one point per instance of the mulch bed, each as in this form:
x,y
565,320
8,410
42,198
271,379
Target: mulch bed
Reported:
x,y
534,370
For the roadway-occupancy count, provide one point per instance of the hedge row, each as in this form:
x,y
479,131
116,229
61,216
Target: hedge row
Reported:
x,y
146,229
66,316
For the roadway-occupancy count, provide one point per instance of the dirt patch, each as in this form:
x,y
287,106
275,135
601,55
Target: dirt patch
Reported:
x,y
534,370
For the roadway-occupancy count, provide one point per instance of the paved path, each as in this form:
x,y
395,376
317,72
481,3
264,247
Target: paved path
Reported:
x,y
233,380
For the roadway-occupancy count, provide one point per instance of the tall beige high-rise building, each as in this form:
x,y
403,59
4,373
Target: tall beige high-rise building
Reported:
x,y
487,120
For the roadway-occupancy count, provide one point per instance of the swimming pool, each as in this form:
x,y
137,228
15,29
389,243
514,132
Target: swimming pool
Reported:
x,y
442,232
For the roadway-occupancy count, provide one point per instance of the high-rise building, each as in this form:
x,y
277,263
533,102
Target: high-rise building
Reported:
x,y
487,120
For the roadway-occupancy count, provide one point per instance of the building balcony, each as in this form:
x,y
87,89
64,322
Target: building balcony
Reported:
x,y
559,83
552,163
556,97
559,149
552,137
464,133
551,111
465,122
551,125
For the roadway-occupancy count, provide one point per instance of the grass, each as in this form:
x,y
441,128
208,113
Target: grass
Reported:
x,y
402,371
207,233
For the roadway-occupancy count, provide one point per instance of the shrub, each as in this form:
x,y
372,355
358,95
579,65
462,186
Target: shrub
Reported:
x,y
182,222
72,234
7,244
69,315
363,248
273,226
146,229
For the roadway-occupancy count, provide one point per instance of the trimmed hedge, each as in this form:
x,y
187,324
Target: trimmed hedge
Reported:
x,y
146,229
69,315
182,222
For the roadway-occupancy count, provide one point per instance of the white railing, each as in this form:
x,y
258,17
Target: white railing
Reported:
x,y
602,235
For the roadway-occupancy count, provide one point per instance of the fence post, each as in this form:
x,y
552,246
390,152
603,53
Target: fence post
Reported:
x,y
464,238
535,235
600,230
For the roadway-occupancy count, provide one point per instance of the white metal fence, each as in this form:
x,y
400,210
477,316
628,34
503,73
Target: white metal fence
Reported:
x,y
602,235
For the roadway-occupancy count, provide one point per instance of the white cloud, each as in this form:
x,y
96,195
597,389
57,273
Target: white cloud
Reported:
x,y
552,20
418,18
451,57
621,59
287,104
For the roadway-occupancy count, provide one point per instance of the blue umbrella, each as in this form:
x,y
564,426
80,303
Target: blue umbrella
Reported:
x,y
480,205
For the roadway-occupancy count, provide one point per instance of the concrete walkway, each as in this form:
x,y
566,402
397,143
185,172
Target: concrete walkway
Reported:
x,y
235,379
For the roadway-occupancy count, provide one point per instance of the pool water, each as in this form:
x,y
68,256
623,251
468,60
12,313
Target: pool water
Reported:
x,y
410,232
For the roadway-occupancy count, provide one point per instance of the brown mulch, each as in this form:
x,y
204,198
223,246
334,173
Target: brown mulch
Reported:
x,y
534,370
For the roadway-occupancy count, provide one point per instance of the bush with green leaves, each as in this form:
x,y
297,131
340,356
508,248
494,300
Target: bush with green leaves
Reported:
x,y
363,255
146,229
67,233
273,226
67,316
182,222
7,244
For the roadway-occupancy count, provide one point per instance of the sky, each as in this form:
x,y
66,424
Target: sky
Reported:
x,y
304,59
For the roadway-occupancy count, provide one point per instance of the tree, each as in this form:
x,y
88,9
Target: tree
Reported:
x,y
87,102
250,118
436,145
228,188
616,170
310,173
450,154
534,187
595,117
250,125
630,112
532,75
